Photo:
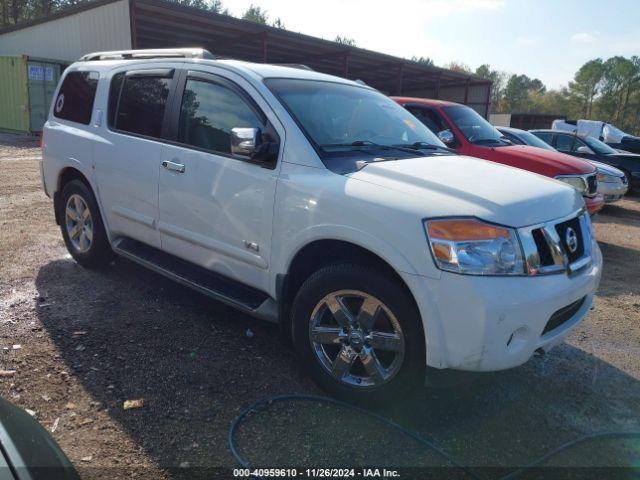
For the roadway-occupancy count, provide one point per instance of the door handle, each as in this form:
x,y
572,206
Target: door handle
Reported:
x,y
173,166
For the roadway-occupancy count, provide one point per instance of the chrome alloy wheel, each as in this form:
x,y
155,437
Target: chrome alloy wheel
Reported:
x,y
356,338
79,223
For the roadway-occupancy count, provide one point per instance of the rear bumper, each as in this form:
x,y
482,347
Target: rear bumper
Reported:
x,y
493,323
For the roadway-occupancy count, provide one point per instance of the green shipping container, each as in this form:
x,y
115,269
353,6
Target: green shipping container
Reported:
x,y
27,86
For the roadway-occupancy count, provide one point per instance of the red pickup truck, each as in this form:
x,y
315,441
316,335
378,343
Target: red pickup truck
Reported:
x,y
463,129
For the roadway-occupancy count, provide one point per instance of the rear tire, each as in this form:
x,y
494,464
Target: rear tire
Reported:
x,y
359,334
81,225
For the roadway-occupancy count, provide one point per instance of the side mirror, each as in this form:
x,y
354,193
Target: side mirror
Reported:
x,y
446,137
245,141
584,149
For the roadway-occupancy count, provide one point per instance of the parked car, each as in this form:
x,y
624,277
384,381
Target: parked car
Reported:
x,y
606,132
590,148
27,451
359,234
612,183
462,128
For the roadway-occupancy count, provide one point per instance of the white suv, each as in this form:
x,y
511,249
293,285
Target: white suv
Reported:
x,y
321,204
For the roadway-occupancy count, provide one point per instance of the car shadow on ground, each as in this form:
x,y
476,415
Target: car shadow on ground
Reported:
x,y
127,333
618,268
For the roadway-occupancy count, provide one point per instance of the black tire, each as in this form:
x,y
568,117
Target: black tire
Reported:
x,y
632,188
99,252
395,298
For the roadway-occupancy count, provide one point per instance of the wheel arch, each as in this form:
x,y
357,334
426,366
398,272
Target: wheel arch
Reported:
x,y
65,176
322,252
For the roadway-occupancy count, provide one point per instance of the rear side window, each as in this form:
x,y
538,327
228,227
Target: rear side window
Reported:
x,y
208,113
141,105
75,98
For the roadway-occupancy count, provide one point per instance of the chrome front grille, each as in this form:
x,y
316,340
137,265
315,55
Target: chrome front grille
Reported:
x,y
562,245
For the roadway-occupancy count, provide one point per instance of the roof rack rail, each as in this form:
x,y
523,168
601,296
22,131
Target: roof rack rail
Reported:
x,y
149,53
300,66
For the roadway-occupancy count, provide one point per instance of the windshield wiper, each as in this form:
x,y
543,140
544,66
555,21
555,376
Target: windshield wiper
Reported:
x,y
485,141
367,143
425,146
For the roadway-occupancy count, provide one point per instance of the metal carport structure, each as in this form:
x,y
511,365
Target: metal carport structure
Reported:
x,y
122,24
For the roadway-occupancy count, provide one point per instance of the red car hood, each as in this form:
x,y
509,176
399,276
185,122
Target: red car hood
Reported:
x,y
538,160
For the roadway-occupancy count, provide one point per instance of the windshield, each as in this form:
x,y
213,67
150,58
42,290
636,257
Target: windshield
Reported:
x,y
598,146
475,128
533,141
337,116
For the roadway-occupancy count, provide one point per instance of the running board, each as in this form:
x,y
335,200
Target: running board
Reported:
x,y
221,288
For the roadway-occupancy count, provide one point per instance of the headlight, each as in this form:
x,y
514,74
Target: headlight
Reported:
x,y
603,177
473,247
576,182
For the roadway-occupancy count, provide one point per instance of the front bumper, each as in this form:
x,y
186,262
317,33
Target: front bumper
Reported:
x,y
493,323
594,204
612,191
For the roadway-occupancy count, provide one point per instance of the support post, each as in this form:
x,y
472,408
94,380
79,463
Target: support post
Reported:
x,y
437,92
132,24
466,91
264,47
399,79
345,64
488,106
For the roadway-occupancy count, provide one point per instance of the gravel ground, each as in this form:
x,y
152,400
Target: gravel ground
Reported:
x,y
90,340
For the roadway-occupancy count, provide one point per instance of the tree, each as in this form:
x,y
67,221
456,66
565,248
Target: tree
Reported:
x,y
586,84
498,79
458,67
255,14
17,7
423,60
345,41
278,24
517,91
5,12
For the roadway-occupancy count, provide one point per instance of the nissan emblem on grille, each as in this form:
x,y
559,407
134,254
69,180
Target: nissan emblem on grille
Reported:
x,y
571,240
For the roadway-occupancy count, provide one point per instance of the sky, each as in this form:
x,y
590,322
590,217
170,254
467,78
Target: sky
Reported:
x,y
545,39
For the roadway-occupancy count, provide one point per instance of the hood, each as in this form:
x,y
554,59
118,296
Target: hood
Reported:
x,y
607,169
625,156
466,186
539,160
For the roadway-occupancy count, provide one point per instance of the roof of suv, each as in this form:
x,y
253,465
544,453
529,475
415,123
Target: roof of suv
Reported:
x,y
258,70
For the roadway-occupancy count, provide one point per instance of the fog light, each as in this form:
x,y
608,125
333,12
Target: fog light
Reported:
x,y
517,340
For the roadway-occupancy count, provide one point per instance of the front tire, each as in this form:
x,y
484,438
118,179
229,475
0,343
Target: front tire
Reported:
x,y
81,225
359,334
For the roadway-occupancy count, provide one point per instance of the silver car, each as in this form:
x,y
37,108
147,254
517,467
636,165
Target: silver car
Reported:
x,y
612,183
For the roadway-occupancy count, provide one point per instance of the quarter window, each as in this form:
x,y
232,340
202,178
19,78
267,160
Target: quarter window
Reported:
x,y
142,104
564,143
75,97
208,113
545,136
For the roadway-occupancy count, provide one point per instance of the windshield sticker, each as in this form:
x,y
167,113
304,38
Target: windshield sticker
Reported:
x,y
60,103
